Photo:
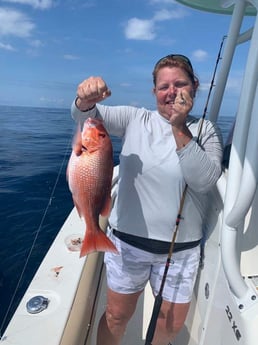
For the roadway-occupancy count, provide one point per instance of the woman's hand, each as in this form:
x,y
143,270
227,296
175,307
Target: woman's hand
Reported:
x,y
183,104
90,92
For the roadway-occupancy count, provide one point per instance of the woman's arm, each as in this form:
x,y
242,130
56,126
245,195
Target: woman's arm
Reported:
x,y
201,162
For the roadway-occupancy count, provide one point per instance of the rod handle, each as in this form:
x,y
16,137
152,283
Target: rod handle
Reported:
x,y
154,318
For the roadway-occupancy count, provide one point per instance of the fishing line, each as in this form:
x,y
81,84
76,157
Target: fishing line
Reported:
x,y
36,235
158,299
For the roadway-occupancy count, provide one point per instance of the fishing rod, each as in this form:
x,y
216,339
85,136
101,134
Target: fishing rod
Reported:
x,y
211,86
158,299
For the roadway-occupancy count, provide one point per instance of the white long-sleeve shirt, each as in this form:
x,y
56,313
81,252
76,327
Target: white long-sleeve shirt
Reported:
x,y
153,172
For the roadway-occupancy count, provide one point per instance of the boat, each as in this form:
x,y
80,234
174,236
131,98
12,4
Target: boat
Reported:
x,y
66,297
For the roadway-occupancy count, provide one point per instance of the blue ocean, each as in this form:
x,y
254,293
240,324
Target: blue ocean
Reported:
x,y
35,145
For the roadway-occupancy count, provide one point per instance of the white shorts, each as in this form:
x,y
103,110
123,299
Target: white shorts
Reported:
x,y
131,269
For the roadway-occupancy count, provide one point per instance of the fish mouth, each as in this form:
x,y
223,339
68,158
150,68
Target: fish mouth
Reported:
x,y
92,122
84,148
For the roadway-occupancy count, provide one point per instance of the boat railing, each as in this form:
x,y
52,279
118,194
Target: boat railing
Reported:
x,y
242,175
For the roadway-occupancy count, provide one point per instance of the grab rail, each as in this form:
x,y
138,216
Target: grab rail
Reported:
x,y
250,173
230,258
238,166
230,46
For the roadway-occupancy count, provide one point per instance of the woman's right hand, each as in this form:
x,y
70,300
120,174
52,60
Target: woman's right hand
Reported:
x,y
91,91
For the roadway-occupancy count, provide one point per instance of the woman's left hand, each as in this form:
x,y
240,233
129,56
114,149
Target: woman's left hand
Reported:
x,y
182,106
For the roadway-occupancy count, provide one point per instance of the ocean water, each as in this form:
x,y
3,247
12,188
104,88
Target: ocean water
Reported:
x,y
35,145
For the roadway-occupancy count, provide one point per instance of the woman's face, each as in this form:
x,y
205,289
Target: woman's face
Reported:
x,y
170,83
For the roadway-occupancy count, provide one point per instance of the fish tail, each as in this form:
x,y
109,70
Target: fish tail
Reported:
x,y
96,241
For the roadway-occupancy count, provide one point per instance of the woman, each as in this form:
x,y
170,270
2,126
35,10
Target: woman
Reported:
x,y
160,155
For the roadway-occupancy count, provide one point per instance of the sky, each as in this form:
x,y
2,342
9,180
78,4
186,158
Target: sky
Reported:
x,y
47,47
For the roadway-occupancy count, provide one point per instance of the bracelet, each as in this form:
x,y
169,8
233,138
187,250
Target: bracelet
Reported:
x,y
85,109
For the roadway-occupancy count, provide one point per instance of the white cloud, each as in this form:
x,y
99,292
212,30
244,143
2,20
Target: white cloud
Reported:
x,y
15,23
140,29
40,4
200,55
145,29
7,47
71,57
36,43
164,14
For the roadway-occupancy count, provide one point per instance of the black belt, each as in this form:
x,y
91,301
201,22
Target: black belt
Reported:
x,y
153,246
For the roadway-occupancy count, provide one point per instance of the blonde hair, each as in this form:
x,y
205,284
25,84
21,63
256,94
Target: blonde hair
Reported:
x,y
179,61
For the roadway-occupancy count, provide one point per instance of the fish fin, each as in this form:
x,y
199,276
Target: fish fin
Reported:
x,y
77,141
76,147
77,138
107,207
67,171
77,208
96,241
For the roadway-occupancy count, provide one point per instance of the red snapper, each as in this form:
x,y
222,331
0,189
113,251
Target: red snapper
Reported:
x,y
89,175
